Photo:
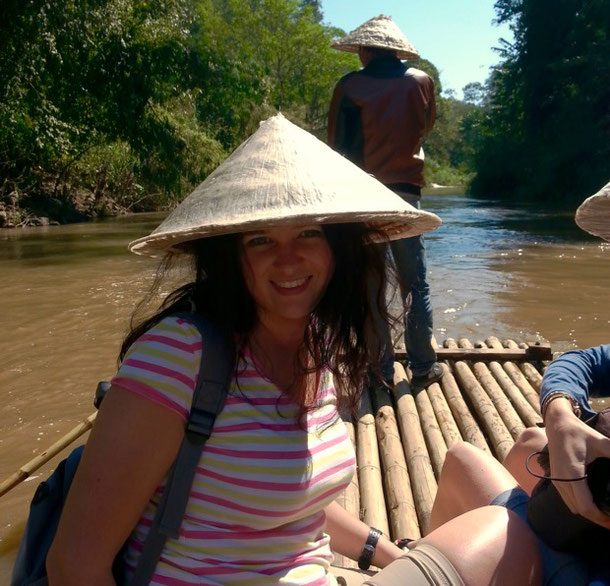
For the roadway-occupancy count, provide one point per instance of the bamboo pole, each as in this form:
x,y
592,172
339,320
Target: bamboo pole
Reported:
x,y
487,414
423,481
399,496
349,499
42,458
529,370
507,412
435,441
518,379
468,426
447,424
372,501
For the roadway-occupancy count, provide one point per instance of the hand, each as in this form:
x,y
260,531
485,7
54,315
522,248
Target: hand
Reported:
x,y
572,445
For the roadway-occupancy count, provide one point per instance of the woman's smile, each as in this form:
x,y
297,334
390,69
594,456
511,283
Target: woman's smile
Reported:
x,y
292,287
287,270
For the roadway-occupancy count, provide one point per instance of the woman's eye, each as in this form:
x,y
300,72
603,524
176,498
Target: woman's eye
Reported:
x,y
257,241
312,233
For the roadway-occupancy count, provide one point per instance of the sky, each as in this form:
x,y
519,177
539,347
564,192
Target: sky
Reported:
x,y
457,36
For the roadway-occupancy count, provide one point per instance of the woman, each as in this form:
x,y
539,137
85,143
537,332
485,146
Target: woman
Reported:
x,y
279,237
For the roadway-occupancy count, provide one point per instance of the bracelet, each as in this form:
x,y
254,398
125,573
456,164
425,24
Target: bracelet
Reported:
x,y
364,561
559,395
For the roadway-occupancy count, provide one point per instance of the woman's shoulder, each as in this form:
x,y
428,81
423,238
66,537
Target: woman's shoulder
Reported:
x,y
172,329
163,364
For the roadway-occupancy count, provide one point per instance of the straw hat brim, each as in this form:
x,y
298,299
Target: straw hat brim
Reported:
x,y
593,215
380,32
282,175
401,53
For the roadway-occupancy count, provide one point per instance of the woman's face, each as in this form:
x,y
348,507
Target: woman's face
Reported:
x,y
286,270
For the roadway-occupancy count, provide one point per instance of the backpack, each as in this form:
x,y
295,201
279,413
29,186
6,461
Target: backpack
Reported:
x,y
46,506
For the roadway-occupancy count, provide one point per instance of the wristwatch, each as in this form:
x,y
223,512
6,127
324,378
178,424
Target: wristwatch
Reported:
x,y
368,551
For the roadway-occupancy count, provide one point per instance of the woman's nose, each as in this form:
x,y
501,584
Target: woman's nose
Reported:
x,y
287,254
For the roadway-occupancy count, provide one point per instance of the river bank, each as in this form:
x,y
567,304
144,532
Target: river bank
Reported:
x,y
56,206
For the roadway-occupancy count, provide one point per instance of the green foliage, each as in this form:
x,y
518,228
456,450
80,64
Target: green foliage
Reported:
x,y
109,105
547,122
258,57
76,76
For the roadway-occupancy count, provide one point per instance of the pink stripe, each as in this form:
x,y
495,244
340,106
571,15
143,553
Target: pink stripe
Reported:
x,y
238,400
139,388
255,426
167,341
293,487
260,512
235,533
280,455
162,370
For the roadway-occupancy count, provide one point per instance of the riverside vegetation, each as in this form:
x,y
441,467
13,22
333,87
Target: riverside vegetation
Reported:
x,y
108,106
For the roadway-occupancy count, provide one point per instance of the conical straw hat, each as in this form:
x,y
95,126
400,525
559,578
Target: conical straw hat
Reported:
x,y
283,175
380,32
593,215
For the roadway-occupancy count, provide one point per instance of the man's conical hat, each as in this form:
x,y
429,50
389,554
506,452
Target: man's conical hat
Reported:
x,y
283,175
593,214
380,32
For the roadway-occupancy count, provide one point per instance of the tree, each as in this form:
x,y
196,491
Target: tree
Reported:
x,y
547,124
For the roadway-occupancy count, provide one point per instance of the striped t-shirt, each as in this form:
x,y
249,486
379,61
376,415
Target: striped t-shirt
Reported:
x,y
255,512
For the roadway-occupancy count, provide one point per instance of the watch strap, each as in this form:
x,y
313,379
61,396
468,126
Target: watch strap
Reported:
x,y
368,551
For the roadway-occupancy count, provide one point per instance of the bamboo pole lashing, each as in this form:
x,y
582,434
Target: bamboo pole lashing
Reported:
x,y
372,500
419,465
27,469
505,409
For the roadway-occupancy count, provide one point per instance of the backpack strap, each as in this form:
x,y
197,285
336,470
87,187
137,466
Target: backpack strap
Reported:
x,y
208,400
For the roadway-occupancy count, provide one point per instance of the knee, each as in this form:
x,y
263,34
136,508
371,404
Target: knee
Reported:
x,y
531,439
460,453
458,458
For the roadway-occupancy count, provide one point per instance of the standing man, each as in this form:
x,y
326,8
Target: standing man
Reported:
x,y
378,118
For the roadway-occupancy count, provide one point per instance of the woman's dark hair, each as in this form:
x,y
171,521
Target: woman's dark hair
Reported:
x,y
341,333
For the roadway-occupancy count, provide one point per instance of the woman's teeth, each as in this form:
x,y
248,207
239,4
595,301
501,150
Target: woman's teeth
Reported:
x,y
291,284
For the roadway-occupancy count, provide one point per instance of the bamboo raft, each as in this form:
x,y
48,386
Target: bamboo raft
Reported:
x,y
487,396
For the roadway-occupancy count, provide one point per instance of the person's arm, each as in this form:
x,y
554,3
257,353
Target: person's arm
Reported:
x,y
333,113
348,536
580,373
130,450
430,110
572,443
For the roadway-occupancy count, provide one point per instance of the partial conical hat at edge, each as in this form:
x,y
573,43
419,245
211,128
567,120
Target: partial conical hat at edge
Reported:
x,y
380,32
593,214
283,175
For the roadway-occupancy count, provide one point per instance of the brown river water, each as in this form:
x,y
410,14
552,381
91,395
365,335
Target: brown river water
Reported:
x,y
67,292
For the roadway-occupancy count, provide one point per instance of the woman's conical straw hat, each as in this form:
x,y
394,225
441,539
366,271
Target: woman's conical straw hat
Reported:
x,y
380,32
283,175
593,214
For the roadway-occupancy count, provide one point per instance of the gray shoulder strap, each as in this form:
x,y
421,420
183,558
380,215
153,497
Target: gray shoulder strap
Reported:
x,y
208,400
